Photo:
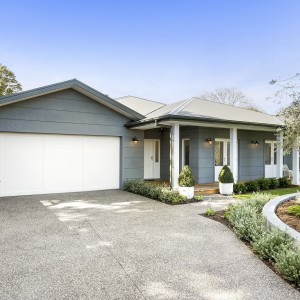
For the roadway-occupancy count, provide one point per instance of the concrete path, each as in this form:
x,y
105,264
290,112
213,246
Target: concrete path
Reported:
x,y
116,245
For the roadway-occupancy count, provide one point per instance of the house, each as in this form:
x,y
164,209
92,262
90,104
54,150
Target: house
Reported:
x,y
69,137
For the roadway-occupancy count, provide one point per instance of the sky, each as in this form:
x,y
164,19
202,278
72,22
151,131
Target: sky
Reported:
x,y
155,49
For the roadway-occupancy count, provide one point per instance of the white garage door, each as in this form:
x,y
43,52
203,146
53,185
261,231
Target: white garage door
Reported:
x,y
44,163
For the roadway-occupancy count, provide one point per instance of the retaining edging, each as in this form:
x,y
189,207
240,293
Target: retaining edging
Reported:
x,y
269,212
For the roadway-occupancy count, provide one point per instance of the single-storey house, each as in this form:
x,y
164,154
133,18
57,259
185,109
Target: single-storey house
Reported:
x,y
69,137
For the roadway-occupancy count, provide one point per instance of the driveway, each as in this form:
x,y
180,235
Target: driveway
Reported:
x,y
116,245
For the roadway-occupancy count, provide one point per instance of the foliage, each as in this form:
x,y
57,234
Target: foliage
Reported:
x,y
198,197
273,183
270,242
284,182
263,183
289,88
186,177
8,82
226,175
252,186
294,210
287,263
161,193
210,212
239,188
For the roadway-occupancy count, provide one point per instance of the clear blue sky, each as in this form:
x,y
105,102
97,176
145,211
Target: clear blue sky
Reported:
x,y
158,49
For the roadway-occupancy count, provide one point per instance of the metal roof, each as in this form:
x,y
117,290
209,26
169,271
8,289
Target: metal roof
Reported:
x,y
78,86
197,108
142,106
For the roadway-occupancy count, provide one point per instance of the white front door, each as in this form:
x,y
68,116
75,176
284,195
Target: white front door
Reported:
x,y
222,155
151,159
270,151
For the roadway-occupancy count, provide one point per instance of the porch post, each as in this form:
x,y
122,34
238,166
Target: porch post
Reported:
x,y
174,155
279,154
296,166
234,153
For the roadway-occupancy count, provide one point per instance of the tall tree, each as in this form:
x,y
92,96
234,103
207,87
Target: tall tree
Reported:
x,y
8,82
290,114
230,96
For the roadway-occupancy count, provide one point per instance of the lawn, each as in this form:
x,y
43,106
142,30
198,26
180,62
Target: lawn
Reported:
x,y
277,192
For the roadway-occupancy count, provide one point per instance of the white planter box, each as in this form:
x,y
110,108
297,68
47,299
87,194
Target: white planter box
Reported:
x,y
226,188
187,191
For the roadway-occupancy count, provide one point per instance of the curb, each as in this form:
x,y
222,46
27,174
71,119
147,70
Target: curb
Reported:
x,y
269,213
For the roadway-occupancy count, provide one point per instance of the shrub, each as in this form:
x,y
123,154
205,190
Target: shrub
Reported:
x,y
273,183
186,177
198,197
294,210
270,243
263,183
239,188
251,186
226,175
161,193
210,212
287,263
246,217
284,182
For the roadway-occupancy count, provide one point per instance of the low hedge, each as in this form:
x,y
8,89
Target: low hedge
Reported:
x,y
161,193
261,184
272,245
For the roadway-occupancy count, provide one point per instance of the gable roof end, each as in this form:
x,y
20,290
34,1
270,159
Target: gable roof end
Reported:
x,y
78,86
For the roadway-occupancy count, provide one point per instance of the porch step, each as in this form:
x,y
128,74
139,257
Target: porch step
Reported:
x,y
201,191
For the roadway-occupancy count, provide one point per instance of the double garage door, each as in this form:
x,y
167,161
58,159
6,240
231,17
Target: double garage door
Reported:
x,y
46,163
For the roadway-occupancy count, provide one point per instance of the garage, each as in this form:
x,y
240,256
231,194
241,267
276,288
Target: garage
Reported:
x,y
51,163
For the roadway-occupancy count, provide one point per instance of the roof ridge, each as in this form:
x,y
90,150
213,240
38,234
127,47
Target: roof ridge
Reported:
x,y
181,106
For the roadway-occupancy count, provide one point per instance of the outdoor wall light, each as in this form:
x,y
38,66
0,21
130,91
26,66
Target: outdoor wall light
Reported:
x,y
209,140
135,139
255,142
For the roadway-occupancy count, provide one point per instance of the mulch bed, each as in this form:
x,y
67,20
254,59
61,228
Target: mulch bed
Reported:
x,y
219,217
288,219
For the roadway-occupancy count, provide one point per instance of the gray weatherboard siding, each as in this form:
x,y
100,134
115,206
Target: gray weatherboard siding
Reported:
x,y
70,112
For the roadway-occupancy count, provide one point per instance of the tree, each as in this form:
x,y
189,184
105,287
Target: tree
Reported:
x,y
290,114
8,82
230,96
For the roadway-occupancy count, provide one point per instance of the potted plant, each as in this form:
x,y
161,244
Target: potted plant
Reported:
x,y
226,181
186,183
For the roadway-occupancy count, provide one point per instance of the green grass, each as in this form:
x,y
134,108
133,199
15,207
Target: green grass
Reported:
x,y
275,193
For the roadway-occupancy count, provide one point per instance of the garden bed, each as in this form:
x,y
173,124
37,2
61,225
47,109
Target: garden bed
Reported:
x,y
274,247
284,216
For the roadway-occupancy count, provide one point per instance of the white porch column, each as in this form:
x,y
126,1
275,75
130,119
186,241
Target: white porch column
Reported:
x,y
174,155
296,166
234,153
279,154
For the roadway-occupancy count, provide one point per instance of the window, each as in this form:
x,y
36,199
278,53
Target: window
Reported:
x,y
185,152
156,151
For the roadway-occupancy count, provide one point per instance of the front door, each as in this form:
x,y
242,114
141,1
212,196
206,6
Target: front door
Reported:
x,y
151,159
222,155
270,159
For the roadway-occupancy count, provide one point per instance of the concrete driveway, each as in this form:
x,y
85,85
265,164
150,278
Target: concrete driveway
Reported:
x,y
116,245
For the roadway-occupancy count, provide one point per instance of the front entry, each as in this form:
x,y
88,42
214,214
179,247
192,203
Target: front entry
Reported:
x,y
151,159
222,155
270,159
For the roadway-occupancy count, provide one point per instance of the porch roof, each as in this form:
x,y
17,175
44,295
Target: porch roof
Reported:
x,y
198,109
